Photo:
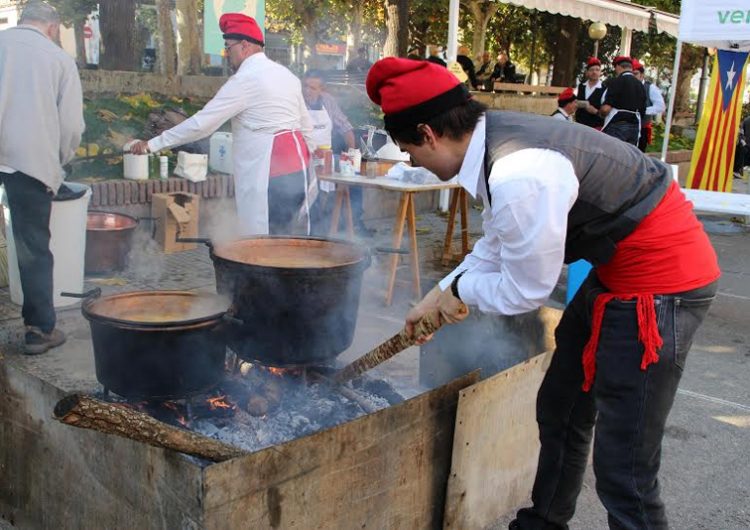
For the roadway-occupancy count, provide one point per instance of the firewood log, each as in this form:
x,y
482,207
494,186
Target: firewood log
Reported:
x,y
88,412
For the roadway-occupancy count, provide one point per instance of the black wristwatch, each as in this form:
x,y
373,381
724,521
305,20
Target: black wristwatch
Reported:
x,y
454,285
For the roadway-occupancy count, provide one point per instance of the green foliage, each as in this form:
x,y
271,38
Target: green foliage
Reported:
x,y
110,122
676,142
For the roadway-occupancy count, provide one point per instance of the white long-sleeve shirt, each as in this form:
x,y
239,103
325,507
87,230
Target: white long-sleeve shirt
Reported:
x,y
515,266
658,105
262,96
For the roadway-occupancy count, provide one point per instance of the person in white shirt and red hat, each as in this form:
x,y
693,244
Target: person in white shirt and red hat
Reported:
x,y
555,193
566,105
271,129
655,105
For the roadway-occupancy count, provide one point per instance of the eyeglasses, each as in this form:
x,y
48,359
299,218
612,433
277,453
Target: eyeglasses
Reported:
x,y
228,47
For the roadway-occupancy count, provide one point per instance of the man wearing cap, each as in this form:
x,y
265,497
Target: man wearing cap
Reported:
x,y
623,103
271,134
591,91
555,193
566,105
41,123
655,105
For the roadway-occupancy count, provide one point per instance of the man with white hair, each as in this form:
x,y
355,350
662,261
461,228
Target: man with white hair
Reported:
x,y
41,123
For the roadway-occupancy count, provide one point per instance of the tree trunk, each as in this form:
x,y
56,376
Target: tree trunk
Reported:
x,y
166,57
481,11
188,38
390,48
690,63
80,43
87,412
117,25
355,29
565,58
403,27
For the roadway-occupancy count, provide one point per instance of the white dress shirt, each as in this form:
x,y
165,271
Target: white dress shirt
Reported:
x,y
588,89
515,266
262,96
658,104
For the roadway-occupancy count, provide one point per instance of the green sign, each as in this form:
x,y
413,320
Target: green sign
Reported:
x,y
212,40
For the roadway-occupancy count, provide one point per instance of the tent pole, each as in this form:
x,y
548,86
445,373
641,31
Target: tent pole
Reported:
x,y
670,107
453,13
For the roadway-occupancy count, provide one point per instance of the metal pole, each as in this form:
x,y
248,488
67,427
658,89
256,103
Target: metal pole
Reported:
x,y
670,106
453,12
596,48
702,87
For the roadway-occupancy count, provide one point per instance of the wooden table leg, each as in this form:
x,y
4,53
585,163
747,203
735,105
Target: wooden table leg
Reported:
x,y
349,220
447,245
398,235
413,249
464,201
336,214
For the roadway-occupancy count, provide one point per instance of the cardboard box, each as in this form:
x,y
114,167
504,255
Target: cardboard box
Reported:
x,y
176,213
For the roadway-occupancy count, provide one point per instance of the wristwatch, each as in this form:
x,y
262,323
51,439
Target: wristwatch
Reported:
x,y
454,285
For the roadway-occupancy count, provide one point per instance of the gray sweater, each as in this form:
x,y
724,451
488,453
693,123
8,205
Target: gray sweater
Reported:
x,y
41,105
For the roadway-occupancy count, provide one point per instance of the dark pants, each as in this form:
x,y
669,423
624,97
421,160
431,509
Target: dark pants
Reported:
x,y
624,130
323,208
286,195
626,410
643,140
30,203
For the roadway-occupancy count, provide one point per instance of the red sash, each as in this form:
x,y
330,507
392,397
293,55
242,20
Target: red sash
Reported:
x,y
667,253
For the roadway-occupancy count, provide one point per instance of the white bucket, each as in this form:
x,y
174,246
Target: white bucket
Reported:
x,y
220,153
135,167
67,226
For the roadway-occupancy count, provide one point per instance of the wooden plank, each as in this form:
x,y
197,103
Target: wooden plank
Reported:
x,y
495,447
519,87
384,470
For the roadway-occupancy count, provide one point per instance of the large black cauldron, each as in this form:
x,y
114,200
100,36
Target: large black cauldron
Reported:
x,y
157,344
296,298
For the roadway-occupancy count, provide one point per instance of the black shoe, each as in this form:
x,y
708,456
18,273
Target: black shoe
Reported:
x,y
36,341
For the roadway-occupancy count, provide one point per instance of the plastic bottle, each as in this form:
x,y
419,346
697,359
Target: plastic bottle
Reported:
x,y
163,167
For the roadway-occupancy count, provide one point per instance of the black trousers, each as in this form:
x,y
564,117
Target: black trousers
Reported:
x,y
624,130
625,411
286,195
30,203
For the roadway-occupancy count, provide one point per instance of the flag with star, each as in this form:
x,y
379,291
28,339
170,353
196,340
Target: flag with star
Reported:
x,y
713,154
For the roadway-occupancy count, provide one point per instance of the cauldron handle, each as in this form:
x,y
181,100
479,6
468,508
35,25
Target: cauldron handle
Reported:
x,y
93,293
390,250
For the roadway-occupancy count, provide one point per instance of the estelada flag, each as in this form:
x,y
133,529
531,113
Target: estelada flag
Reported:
x,y
713,154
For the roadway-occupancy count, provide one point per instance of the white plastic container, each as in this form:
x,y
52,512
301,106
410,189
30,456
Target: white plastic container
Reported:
x,y
135,167
67,242
220,153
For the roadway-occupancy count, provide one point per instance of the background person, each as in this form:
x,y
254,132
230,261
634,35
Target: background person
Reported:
x,y
623,103
484,70
566,105
41,123
555,193
591,90
655,105
330,127
271,131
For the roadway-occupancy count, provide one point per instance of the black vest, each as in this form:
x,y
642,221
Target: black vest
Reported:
x,y
619,185
582,115
647,118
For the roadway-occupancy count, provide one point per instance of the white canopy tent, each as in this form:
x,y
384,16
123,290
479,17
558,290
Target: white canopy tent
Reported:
x,y
721,24
625,15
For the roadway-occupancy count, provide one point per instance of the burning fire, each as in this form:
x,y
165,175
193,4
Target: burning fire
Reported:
x,y
220,402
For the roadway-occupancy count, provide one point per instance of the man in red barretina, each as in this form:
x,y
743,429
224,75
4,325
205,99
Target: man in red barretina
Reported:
x,y
554,193
271,130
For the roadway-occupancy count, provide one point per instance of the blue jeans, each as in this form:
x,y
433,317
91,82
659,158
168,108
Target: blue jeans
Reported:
x,y
625,411
30,203
624,130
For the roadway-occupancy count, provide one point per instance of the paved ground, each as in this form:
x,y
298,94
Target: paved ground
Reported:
x,y
705,465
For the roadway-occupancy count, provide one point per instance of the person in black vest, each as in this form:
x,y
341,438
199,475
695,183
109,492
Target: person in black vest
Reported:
x,y
623,103
504,71
591,91
566,105
553,193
